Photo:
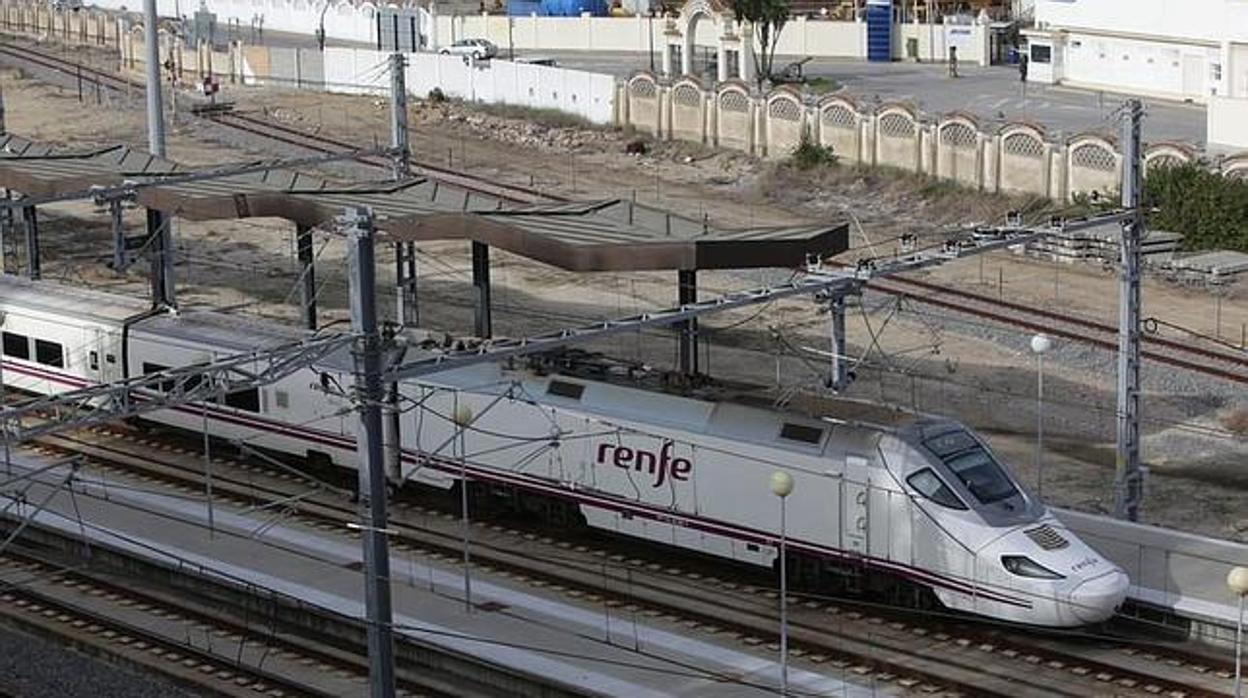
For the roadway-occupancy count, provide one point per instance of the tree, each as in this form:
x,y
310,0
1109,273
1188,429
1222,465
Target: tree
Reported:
x,y
767,19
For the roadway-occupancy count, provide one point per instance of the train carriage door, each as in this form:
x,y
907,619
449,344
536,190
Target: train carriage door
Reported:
x,y
879,518
854,498
103,359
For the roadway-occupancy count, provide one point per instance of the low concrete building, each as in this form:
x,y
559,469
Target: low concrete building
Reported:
x,y
1196,51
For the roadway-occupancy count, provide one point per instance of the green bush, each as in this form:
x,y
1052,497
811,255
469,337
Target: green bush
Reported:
x,y
1210,210
808,155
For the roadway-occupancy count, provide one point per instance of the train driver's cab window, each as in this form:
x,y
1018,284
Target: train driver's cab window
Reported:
x,y
49,353
929,484
973,465
16,345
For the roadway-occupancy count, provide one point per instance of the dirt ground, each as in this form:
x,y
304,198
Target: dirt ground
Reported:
x,y
1196,442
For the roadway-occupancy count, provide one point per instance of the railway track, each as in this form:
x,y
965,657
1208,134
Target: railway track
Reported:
x,y
204,651
1227,364
883,645
1223,363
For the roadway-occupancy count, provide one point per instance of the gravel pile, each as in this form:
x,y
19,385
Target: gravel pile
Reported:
x,y
35,668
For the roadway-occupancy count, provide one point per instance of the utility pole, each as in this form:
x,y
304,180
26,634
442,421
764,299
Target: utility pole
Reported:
x,y
358,226
398,116
838,378
155,109
1127,478
159,225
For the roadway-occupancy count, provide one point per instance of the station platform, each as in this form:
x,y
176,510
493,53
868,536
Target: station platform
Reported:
x,y
585,647
1174,572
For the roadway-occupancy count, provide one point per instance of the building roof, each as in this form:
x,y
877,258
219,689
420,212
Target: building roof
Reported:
x,y
603,235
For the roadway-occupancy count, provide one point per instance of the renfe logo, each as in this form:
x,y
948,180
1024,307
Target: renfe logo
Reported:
x,y
645,461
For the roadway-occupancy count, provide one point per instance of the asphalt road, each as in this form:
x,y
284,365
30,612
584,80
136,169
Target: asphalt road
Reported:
x,y
994,94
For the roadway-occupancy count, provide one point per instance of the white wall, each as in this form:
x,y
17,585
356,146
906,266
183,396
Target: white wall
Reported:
x,y
1196,20
590,95
343,20
1145,67
1228,123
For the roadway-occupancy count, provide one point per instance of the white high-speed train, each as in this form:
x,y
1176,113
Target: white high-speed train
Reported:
x,y
883,498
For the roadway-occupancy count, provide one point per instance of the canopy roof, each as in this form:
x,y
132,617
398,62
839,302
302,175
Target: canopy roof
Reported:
x,y
605,235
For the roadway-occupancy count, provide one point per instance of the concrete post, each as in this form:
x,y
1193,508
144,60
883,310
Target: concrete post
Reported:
x,y
398,116
1128,490
369,446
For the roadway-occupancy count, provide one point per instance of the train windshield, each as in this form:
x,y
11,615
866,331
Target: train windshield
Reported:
x,y
973,465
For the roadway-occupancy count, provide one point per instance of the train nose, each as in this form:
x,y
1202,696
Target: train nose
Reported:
x,y
1096,599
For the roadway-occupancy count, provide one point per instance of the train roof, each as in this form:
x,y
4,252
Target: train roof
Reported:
x,y
74,301
234,334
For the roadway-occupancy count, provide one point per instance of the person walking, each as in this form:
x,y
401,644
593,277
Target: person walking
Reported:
x,y
1022,67
953,61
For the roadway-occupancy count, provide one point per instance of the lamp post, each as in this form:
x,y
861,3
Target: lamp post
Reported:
x,y
782,485
1039,345
463,418
1237,580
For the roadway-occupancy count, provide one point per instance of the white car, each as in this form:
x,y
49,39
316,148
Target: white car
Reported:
x,y
477,48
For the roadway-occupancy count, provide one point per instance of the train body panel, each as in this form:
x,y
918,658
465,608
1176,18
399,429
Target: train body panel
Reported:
x,y
877,489
53,342
303,413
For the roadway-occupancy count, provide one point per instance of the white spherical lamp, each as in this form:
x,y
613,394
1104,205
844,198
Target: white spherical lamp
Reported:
x,y
781,484
1237,580
463,415
1041,343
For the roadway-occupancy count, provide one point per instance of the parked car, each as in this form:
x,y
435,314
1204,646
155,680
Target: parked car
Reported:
x,y
477,48
66,5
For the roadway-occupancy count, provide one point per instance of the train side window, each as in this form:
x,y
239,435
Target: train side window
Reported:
x,y
559,388
244,400
16,345
167,386
49,353
801,432
928,484
148,369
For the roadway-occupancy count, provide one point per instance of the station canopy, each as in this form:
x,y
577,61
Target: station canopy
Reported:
x,y
601,235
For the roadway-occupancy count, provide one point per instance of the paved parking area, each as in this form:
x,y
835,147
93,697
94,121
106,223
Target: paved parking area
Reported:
x,y
994,94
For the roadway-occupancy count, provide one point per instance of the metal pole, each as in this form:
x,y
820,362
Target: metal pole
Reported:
x,y
8,464
687,292
372,477
1239,637
464,522
203,408
307,271
155,110
408,314
398,115
481,289
1039,424
784,604
162,250
1127,484
30,219
840,367
120,261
